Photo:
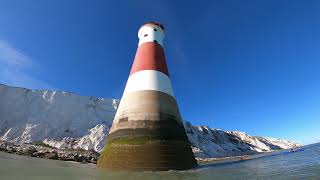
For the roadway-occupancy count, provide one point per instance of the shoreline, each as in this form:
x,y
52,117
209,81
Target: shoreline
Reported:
x,y
229,159
41,150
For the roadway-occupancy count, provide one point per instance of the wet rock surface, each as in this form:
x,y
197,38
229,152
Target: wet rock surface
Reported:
x,y
39,151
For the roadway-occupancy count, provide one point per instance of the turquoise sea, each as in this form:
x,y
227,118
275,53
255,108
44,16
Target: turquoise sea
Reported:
x,y
279,165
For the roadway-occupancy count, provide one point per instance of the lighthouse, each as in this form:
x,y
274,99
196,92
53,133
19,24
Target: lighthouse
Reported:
x,y
147,133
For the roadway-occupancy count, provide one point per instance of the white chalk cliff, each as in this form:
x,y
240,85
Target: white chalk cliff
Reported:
x,y
67,120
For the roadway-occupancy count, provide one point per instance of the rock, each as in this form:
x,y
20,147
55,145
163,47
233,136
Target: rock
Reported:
x,y
29,150
38,154
80,158
51,155
11,149
68,158
94,161
20,152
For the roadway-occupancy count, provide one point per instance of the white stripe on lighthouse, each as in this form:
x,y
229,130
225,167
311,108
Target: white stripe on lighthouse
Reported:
x,y
149,80
150,34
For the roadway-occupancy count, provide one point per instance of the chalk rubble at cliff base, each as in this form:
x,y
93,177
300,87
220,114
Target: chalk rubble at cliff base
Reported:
x,y
41,150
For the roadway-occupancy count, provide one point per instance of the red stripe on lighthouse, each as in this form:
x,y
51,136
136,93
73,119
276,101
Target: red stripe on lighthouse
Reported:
x,y
150,56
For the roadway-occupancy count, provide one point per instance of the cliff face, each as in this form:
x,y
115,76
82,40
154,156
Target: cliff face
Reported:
x,y
67,120
207,142
34,115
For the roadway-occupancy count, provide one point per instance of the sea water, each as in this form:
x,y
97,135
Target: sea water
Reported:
x,y
298,165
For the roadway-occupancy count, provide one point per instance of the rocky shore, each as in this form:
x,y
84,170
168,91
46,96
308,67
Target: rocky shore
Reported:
x,y
42,150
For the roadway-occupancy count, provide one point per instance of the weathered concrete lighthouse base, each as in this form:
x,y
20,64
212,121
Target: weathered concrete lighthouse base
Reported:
x,y
148,135
144,154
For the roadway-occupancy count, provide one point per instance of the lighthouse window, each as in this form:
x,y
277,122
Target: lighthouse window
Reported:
x,y
155,29
145,35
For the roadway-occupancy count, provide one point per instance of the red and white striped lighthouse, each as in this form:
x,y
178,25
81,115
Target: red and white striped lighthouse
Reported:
x,y
147,132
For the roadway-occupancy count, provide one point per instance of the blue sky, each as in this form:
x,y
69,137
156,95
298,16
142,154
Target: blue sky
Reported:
x,y
242,65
